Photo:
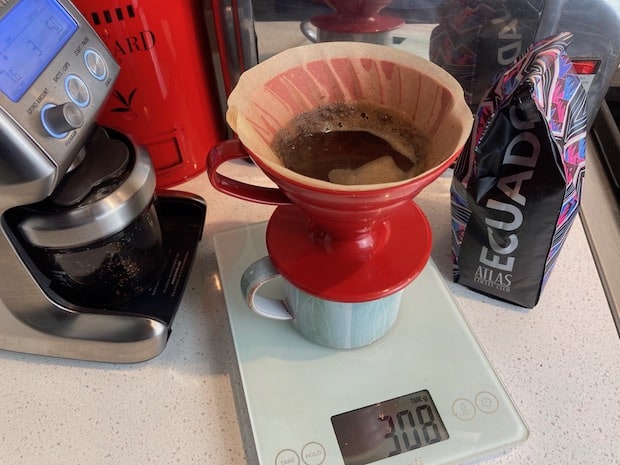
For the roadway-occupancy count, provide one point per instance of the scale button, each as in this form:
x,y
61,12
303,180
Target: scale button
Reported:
x,y
313,453
287,457
487,402
463,409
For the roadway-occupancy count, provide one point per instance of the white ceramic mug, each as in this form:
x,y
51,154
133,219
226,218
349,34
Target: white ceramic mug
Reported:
x,y
339,325
317,34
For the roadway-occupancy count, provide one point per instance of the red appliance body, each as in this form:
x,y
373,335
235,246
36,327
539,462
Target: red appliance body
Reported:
x,y
166,95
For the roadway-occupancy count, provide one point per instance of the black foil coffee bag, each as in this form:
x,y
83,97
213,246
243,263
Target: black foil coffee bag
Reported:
x,y
517,184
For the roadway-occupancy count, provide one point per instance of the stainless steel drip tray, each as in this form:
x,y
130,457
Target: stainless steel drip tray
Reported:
x,y
600,215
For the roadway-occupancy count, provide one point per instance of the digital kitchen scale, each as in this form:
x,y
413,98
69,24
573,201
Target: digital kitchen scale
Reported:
x,y
423,394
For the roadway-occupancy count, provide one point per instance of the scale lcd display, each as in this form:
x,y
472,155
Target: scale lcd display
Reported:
x,y
388,428
31,34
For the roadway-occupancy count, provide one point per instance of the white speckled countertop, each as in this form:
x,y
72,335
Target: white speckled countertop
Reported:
x,y
560,362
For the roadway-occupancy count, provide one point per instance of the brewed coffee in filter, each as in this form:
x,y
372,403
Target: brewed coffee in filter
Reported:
x,y
382,92
353,143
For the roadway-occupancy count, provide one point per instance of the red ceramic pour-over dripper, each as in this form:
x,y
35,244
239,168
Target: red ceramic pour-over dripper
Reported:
x,y
343,246
344,243
357,17
357,8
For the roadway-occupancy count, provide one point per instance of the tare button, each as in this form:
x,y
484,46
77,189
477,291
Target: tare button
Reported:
x,y
287,457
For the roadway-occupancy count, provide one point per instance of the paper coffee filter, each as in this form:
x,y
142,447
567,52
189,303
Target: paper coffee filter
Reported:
x,y
300,79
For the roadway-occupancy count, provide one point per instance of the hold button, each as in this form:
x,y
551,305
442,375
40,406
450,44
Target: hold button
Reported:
x,y
313,453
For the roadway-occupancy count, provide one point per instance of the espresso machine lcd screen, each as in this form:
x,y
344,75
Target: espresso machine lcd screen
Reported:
x,y
31,29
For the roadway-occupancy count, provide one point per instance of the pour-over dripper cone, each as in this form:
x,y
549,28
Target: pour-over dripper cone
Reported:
x,y
353,20
346,222
361,9
269,95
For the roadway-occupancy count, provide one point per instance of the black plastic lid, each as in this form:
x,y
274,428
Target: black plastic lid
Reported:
x,y
113,185
104,164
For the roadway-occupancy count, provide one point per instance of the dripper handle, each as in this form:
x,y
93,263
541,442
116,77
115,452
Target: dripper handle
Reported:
x,y
232,150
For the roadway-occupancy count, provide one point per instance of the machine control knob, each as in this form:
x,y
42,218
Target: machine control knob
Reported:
x,y
60,119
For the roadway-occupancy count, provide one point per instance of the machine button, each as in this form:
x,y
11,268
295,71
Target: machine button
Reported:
x,y
77,90
58,120
95,64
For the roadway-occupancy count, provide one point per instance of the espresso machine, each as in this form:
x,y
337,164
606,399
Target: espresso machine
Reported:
x,y
94,261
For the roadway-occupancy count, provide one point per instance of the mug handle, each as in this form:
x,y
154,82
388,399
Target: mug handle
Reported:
x,y
258,273
308,29
232,150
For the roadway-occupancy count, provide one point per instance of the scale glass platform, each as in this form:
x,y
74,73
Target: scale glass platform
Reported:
x,y
424,394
